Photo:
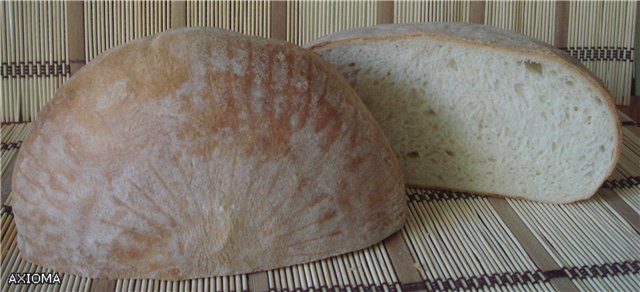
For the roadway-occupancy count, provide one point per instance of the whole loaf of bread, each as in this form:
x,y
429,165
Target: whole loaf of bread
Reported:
x,y
201,152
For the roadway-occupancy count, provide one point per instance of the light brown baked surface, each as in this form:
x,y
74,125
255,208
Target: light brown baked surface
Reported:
x,y
201,152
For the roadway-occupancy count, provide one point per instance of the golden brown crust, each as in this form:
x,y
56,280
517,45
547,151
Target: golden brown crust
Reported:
x,y
480,36
201,152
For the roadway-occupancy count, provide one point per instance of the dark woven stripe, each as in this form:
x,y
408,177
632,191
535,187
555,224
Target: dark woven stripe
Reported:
x,y
10,145
25,69
622,183
426,195
601,53
479,282
369,288
6,209
526,277
604,270
630,124
14,123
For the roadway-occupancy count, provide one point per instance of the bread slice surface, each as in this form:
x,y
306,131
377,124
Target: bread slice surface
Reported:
x,y
479,109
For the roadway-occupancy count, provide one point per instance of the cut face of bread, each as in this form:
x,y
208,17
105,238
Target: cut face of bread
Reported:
x,y
478,109
201,152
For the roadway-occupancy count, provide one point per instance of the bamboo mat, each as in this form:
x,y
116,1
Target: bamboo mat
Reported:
x,y
451,241
44,42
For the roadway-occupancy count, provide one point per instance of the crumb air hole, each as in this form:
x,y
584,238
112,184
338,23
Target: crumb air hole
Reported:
x,y
413,154
519,88
533,67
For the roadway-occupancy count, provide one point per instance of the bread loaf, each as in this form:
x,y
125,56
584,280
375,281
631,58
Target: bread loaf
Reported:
x,y
201,152
480,109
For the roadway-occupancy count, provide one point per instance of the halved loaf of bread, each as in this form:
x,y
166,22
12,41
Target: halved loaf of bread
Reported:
x,y
480,109
200,152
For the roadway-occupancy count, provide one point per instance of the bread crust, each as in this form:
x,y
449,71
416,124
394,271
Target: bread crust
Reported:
x,y
202,152
479,36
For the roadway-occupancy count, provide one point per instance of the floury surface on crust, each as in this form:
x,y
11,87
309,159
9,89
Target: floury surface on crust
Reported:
x,y
476,34
477,37
202,152
465,31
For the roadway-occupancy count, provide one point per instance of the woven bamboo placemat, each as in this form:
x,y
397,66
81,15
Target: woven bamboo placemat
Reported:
x,y
451,241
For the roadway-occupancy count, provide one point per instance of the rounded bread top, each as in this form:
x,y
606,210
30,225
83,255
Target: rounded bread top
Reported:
x,y
200,152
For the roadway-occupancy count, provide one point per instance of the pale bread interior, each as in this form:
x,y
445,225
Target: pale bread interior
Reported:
x,y
481,119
